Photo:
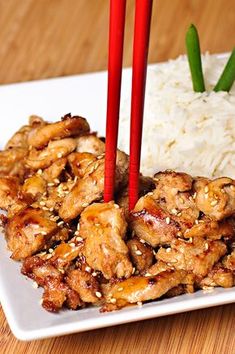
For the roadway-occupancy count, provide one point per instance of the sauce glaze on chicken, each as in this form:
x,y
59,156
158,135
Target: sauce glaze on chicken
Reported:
x,y
179,238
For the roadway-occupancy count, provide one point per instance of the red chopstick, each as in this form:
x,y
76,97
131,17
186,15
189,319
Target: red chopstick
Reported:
x,y
116,38
140,56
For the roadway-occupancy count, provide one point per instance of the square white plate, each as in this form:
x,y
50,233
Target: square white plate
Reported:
x,y
84,95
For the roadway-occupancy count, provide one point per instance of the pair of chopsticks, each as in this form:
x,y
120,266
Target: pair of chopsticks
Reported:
x,y
143,12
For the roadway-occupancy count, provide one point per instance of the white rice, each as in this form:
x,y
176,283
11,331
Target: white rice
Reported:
x,y
184,130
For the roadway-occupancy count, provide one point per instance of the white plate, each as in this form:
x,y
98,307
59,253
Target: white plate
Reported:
x,y
84,95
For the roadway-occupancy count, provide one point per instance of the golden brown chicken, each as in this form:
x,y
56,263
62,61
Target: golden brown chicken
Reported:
x,y
30,231
103,227
179,238
69,126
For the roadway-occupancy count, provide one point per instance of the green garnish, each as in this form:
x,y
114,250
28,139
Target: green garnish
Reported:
x,y
194,58
227,77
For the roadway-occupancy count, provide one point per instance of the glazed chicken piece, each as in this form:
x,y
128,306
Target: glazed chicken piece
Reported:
x,y
30,231
91,144
146,185
40,159
79,162
103,227
56,290
166,212
10,192
215,198
53,172
12,162
139,288
69,126
152,223
85,284
34,187
20,138
197,257
229,261
173,191
218,276
56,194
141,254
57,293
90,188
212,229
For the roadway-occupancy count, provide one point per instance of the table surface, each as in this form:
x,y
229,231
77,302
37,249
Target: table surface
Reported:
x,y
49,38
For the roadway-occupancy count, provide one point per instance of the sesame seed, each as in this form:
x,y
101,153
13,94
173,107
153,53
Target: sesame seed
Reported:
x,y
214,202
206,246
113,300
116,206
142,241
168,250
98,294
76,233
88,269
45,208
56,180
84,205
61,270
147,274
50,184
179,233
120,289
48,256
139,303
194,196
196,222
39,172
43,232
135,247
42,203
50,250
99,157
206,189
42,254
72,244
138,252
35,285
79,239
94,274
168,220
150,193
78,226
208,289
60,223
97,224
133,270
59,155
174,211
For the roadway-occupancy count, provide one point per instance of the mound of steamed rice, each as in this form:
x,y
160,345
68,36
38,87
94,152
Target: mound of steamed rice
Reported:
x,y
184,130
